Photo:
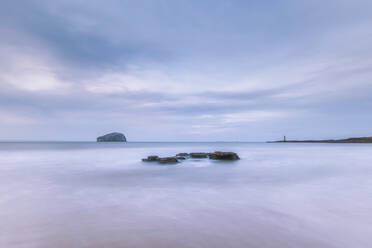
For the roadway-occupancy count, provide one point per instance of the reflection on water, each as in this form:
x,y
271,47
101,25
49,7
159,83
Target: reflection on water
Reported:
x,y
102,195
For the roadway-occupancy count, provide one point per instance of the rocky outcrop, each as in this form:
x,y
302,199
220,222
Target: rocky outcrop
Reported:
x,y
172,160
112,137
224,156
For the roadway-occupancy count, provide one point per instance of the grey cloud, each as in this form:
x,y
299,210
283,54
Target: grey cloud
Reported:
x,y
70,44
204,45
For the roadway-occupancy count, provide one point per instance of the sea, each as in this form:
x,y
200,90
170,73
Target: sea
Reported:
x,y
101,195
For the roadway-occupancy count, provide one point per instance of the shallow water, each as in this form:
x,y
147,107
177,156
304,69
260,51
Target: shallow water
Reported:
x,y
82,194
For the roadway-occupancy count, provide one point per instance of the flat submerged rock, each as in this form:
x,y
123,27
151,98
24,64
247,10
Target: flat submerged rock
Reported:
x,y
199,155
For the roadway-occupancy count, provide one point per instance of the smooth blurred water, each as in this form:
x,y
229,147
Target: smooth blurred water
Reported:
x,y
82,194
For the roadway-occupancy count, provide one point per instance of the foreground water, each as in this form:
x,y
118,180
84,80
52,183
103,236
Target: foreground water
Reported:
x,y
101,195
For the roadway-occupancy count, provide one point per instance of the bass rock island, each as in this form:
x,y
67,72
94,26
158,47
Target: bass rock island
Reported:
x,y
112,137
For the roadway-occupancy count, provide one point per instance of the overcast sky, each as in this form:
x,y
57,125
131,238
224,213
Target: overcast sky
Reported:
x,y
169,70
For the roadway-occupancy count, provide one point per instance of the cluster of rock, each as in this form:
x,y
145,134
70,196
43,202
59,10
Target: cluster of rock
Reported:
x,y
182,156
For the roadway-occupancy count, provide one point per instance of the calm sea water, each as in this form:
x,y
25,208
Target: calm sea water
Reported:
x,y
94,195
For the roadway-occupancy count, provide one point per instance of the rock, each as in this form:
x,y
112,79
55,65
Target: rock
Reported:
x,y
173,160
224,156
182,154
112,137
151,159
199,155
168,160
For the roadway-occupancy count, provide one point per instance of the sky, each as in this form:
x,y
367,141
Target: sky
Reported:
x,y
185,70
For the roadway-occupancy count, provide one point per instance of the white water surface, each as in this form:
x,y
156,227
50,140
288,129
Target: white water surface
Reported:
x,y
96,195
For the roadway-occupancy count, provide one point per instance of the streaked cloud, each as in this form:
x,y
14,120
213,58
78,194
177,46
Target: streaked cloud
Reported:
x,y
185,70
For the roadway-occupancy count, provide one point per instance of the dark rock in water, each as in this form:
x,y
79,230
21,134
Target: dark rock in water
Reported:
x,y
112,137
168,160
199,155
151,159
172,160
224,156
182,154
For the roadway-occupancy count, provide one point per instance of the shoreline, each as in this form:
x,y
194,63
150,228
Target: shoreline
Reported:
x,y
349,140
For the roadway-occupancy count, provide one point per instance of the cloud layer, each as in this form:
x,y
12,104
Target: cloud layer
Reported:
x,y
185,70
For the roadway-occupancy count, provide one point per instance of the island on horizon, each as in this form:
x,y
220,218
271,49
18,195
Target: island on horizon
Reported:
x,y
348,140
112,137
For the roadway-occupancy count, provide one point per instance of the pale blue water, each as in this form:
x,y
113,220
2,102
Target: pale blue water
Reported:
x,y
82,194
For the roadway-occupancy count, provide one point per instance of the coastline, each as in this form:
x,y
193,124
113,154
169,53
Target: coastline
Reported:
x,y
349,140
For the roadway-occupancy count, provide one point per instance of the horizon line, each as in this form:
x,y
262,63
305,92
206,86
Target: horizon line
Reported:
x,y
137,141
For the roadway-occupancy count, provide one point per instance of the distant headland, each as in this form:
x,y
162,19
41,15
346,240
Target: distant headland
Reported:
x,y
112,137
348,140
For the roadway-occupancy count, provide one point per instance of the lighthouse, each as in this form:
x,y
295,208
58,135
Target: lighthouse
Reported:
x,y
284,139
